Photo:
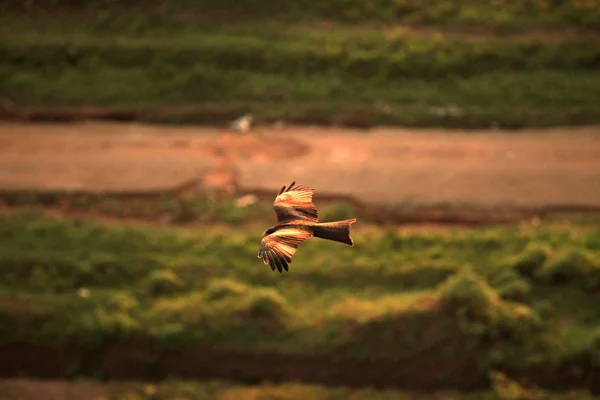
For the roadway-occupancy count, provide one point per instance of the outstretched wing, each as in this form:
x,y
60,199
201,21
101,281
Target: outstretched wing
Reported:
x,y
278,248
295,203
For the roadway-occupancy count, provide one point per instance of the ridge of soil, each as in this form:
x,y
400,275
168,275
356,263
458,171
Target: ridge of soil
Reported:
x,y
142,360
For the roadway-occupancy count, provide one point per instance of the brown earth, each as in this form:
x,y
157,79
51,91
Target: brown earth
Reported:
x,y
25,389
140,360
428,175
123,157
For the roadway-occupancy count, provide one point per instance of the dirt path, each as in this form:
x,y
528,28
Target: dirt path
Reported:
x,y
24,389
559,167
526,169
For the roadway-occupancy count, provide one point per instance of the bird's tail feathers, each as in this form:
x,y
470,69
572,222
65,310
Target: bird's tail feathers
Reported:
x,y
338,231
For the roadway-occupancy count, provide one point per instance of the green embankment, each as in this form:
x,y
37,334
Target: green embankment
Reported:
x,y
519,298
209,63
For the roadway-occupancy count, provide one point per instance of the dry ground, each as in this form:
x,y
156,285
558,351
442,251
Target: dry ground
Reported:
x,y
534,168
24,389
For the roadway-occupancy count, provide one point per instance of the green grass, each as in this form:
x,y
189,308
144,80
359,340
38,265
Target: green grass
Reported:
x,y
167,207
507,298
300,72
499,15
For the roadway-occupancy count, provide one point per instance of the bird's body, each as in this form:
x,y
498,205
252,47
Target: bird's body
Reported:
x,y
297,221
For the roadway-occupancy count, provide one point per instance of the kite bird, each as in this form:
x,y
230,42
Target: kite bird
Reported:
x,y
297,220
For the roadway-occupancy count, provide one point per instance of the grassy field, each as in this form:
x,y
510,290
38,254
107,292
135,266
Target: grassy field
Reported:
x,y
208,64
519,298
507,16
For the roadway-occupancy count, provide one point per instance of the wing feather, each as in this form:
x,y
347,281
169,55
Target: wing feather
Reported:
x,y
278,248
294,203
269,258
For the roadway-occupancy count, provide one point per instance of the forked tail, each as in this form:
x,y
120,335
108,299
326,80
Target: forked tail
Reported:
x,y
338,231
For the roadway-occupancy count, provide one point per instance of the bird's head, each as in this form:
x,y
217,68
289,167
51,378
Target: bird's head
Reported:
x,y
269,231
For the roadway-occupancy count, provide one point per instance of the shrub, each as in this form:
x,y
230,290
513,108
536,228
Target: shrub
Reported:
x,y
239,303
469,293
480,310
530,260
509,284
391,326
164,281
266,306
507,389
572,265
226,306
186,309
219,289
115,315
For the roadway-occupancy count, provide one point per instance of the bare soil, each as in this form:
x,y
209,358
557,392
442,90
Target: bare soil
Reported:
x,y
25,389
428,174
140,360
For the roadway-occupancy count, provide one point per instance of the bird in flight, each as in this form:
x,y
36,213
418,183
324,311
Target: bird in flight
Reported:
x,y
297,220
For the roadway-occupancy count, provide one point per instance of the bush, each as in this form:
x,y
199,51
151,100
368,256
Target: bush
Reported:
x,y
469,293
391,327
226,306
530,260
164,282
267,307
219,289
588,355
480,310
507,389
239,304
572,265
116,315
509,284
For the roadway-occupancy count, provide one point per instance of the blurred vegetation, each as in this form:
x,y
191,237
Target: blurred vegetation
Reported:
x,y
172,208
503,389
211,61
499,14
484,296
